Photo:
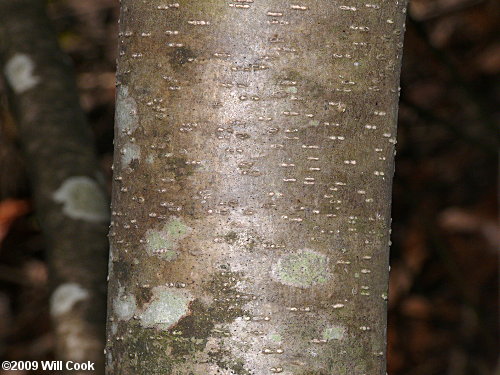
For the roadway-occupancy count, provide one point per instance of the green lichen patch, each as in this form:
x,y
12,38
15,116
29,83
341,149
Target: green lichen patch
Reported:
x,y
302,269
164,243
227,306
154,352
166,308
333,333
275,337
193,331
82,199
144,352
175,332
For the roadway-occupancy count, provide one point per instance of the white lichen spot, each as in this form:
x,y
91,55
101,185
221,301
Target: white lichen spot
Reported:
x,y
167,307
109,359
65,297
125,305
82,198
126,116
164,243
114,328
150,159
130,152
19,72
333,333
303,269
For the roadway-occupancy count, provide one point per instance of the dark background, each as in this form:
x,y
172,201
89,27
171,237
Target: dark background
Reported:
x,y
443,301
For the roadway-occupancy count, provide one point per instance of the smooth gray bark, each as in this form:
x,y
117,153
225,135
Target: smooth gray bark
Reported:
x,y
68,190
251,204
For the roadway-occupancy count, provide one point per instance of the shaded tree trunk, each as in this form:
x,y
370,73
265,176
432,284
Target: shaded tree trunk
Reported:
x,y
71,204
251,202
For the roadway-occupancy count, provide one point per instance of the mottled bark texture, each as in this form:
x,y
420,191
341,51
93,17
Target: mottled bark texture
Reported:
x,y
71,203
251,201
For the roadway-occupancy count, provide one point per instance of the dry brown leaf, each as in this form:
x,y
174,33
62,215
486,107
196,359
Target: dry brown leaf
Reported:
x,y
10,210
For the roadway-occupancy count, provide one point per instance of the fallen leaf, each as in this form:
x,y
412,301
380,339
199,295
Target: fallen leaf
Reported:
x,y
10,210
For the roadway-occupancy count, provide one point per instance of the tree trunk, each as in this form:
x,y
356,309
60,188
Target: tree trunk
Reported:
x,y
67,185
252,184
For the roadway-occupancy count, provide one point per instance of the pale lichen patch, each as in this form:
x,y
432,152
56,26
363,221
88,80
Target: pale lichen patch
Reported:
x,y
65,297
114,328
150,159
19,72
275,337
333,333
167,307
124,305
127,119
303,269
109,360
164,243
130,152
82,198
